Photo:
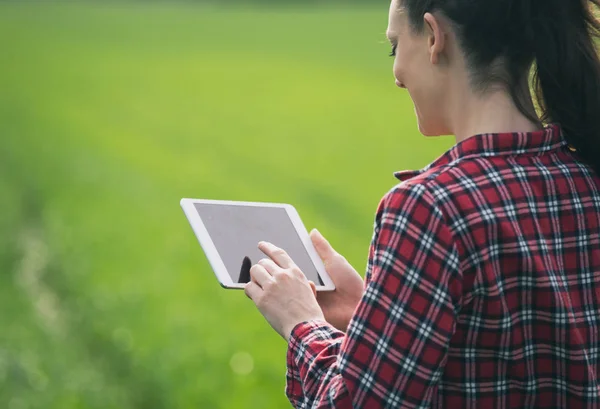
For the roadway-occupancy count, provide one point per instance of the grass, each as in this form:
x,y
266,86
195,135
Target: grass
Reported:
x,y
109,115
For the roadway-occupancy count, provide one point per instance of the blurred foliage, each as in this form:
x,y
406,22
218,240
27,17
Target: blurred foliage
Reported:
x,y
109,114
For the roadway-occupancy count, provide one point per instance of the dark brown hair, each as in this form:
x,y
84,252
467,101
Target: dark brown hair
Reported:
x,y
503,39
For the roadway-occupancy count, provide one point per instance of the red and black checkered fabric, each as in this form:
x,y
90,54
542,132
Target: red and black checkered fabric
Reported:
x,y
482,289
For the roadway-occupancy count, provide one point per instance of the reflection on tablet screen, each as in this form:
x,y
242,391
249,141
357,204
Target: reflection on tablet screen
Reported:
x,y
236,230
245,271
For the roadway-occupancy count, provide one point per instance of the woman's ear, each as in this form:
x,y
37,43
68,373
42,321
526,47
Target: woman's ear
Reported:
x,y
436,38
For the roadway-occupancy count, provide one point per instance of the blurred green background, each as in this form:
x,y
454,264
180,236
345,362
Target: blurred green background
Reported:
x,y
109,114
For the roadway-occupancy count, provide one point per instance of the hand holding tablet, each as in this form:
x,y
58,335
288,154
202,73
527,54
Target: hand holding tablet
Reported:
x,y
229,233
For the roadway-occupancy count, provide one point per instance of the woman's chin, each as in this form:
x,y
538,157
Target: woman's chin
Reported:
x,y
429,129
423,128
425,131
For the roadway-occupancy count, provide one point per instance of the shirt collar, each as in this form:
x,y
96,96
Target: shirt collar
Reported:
x,y
493,144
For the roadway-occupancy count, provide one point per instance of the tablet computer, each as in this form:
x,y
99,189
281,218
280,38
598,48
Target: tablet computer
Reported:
x,y
229,233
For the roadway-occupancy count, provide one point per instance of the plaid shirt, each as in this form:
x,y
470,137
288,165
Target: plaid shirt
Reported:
x,y
482,289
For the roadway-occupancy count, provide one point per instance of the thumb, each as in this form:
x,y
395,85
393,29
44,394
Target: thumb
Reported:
x,y
324,249
313,287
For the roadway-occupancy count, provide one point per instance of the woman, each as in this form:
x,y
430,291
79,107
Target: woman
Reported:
x,y
483,282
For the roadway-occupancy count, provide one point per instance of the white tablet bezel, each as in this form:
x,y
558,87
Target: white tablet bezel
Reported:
x,y
215,259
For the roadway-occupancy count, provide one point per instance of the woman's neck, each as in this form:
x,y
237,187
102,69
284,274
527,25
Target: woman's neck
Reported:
x,y
493,112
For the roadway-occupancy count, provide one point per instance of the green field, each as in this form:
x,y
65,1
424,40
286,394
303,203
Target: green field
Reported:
x,y
109,114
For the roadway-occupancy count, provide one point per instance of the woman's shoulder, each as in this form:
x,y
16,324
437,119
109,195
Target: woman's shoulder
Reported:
x,y
444,188
408,197
463,177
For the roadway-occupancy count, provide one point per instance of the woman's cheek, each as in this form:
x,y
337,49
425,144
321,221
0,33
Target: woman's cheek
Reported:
x,y
397,71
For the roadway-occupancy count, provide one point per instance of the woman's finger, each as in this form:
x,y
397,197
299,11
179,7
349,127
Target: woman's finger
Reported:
x,y
276,254
259,275
269,265
313,287
252,290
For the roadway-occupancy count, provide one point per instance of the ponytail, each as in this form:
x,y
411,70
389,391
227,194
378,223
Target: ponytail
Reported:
x,y
567,71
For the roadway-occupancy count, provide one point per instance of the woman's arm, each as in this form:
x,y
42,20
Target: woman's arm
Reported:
x,y
395,349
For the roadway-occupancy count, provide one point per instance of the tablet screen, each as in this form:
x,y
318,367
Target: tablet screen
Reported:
x,y
236,230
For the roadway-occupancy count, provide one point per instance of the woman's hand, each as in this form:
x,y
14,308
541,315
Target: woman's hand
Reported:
x,y
281,291
338,306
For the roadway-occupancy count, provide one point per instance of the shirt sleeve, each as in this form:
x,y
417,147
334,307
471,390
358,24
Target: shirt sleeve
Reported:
x,y
394,352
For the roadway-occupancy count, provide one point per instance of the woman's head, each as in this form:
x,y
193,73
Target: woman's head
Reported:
x,y
442,45
441,53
